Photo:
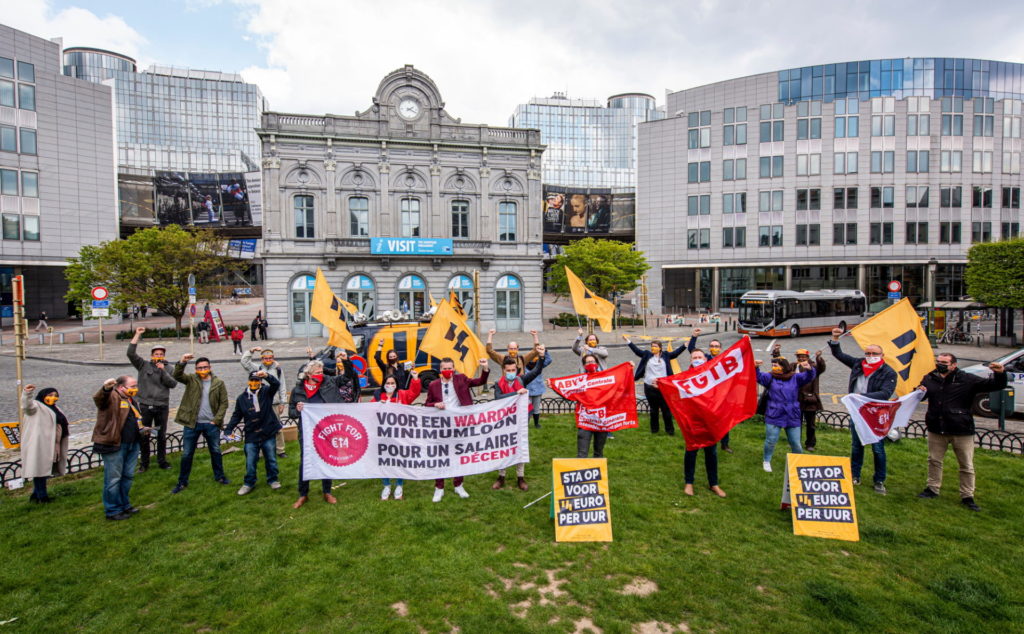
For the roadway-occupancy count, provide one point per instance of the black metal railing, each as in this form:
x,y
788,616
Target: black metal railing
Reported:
x,y
83,458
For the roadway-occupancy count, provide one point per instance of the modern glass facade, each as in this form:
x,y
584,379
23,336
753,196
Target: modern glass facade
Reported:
x,y
846,175
589,144
176,119
96,65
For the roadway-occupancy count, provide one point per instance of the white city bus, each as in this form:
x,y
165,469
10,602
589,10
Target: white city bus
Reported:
x,y
793,313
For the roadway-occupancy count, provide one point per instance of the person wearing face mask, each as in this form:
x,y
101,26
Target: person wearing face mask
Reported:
x,y
655,364
155,385
201,413
312,387
115,438
584,437
451,391
873,378
346,380
714,348
592,346
390,393
270,365
44,440
392,366
783,405
511,384
950,393
536,387
255,409
698,358
512,351
810,402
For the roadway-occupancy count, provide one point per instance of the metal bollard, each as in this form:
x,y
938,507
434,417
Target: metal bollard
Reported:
x,y
81,337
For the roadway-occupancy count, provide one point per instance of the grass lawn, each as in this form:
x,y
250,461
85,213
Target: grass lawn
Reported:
x,y
209,560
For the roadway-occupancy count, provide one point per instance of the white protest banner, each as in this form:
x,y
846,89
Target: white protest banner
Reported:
x,y
386,440
874,419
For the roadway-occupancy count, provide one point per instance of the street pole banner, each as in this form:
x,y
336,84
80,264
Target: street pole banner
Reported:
x,y
605,401
386,440
874,419
10,435
818,490
583,511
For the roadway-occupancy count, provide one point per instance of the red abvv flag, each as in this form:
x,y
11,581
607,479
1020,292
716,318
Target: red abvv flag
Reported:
x,y
605,401
709,400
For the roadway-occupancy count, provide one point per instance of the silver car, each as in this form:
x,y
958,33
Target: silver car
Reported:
x,y
1014,363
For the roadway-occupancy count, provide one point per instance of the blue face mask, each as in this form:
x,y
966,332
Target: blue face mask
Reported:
x,y
696,362
510,376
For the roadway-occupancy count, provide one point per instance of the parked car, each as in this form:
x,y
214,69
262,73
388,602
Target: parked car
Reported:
x,y
1014,363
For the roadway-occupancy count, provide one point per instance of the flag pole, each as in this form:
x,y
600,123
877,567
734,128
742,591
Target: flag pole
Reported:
x,y
538,499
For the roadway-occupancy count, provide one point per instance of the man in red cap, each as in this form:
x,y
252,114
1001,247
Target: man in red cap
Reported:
x,y
810,401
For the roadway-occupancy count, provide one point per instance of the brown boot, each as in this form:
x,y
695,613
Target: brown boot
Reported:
x,y
330,499
499,483
521,483
299,502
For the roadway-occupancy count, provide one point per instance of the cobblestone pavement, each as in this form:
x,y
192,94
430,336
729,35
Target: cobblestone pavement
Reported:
x,y
75,371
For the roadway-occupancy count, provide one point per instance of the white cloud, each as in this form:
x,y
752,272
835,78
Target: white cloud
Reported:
x,y
486,56
77,26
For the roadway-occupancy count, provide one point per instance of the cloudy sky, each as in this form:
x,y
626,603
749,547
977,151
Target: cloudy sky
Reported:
x,y
316,56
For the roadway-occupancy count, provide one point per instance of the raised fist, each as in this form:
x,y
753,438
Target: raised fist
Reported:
x,y
414,374
29,388
696,331
256,349
483,363
758,362
836,333
109,384
261,374
490,333
579,331
188,356
140,330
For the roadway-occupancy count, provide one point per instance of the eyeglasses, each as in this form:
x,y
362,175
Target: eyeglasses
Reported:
x,y
446,389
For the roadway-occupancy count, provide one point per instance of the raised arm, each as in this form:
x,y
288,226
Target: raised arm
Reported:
x,y
247,363
482,379
838,353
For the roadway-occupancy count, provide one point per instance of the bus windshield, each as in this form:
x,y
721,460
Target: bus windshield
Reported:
x,y
756,314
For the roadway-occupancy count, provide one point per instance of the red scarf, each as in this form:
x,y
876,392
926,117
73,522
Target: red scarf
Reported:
x,y
514,386
310,391
869,369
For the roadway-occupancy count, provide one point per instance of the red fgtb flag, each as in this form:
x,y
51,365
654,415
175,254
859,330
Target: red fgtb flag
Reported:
x,y
709,400
605,401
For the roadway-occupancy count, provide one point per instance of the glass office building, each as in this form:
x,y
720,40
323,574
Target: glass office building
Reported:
x,y
589,143
95,64
846,175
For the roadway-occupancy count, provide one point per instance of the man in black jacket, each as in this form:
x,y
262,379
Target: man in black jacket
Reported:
x,y
950,393
870,376
155,385
255,409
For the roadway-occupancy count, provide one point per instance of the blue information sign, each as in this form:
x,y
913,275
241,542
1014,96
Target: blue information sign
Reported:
x,y
410,246
101,303
896,295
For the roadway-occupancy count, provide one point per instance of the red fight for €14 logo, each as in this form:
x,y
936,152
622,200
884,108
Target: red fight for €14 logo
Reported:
x,y
880,416
340,440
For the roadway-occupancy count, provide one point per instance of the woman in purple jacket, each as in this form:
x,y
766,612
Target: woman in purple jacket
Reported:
x,y
783,410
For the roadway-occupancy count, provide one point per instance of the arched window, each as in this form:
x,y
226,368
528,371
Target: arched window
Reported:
x,y
508,304
361,291
412,295
302,322
462,286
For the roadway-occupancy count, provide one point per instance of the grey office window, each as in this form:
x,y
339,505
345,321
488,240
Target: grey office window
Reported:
x,y
26,72
8,182
705,171
727,237
410,217
460,219
6,67
692,205
7,94
691,239
8,139
740,236
304,216
359,215
727,170
26,97
28,141
30,228
507,221
30,184
12,227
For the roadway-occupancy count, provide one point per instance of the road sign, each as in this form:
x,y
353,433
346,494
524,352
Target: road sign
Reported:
x,y
895,295
894,286
191,299
191,290
101,312
99,292
192,310
101,303
191,279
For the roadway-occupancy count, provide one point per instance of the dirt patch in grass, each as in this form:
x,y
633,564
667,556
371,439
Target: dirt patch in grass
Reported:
x,y
659,627
400,608
586,625
640,587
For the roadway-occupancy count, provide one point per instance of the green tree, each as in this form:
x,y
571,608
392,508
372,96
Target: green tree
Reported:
x,y
151,268
995,274
605,266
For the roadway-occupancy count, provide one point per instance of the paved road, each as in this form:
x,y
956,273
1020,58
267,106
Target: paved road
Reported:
x,y
78,382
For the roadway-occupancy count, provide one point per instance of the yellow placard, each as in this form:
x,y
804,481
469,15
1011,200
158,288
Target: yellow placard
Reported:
x,y
583,510
819,492
10,435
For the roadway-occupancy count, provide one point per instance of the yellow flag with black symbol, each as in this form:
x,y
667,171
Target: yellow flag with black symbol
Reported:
x,y
905,346
456,304
450,336
351,308
588,304
329,310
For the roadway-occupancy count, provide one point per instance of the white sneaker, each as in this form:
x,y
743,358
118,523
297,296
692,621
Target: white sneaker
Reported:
x,y
767,466
438,494
275,485
385,493
398,492
245,489
461,491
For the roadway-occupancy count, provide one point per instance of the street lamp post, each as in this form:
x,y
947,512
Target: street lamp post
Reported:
x,y
933,266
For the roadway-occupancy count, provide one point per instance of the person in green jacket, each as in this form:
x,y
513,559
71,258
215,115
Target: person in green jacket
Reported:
x,y
201,413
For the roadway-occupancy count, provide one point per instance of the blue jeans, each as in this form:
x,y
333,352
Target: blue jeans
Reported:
x,y
771,436
387,482
857,457
252,455
118,475
189,439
